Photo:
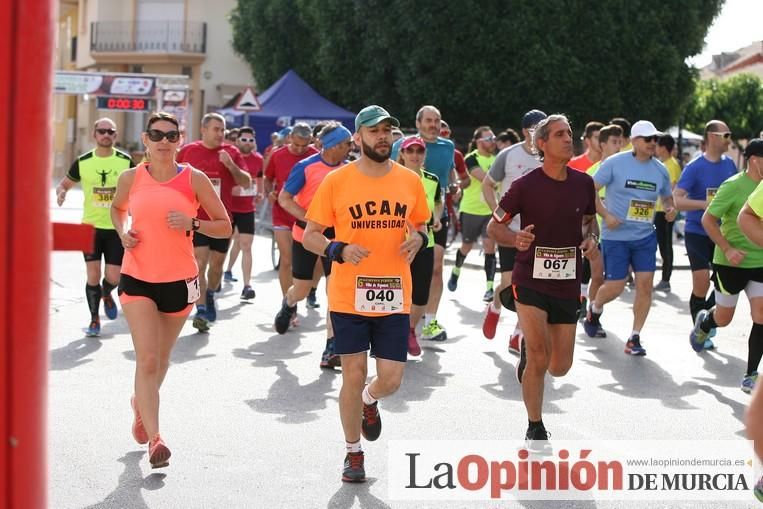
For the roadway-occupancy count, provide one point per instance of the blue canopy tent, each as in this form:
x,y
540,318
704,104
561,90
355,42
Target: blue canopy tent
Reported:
x,y
288,101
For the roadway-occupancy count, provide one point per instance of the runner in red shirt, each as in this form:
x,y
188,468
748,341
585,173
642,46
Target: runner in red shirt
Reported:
x,y
592,152
279,166
243,207
223,164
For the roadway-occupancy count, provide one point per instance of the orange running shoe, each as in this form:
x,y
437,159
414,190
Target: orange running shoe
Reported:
x,y
158,453
490,322
138,430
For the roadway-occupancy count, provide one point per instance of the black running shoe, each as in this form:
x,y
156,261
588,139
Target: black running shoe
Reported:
x,y
283,318
312,300
536,439
522,362
371,425
353,467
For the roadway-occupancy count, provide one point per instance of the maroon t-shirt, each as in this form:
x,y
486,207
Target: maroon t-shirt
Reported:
x,y
242,200
556,208
279,166
208,161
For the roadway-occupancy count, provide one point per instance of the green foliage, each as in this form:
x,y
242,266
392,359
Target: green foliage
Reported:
x,y
483,62
738,101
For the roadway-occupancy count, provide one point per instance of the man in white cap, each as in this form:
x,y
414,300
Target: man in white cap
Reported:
x,y
634,181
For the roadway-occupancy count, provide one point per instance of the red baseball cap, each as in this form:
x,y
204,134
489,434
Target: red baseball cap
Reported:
x,y
413,140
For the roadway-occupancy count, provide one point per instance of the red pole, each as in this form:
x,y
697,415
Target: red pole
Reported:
x,y
26,64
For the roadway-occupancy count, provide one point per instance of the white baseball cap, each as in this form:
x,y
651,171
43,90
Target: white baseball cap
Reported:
x,y
643,128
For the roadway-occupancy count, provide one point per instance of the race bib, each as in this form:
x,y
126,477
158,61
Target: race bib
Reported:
x,y
103,196
555,263
379,294
216,183
641,211
193,289
710,193
245,191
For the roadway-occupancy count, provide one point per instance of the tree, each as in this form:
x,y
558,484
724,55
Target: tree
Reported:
x,y
738,101
483,62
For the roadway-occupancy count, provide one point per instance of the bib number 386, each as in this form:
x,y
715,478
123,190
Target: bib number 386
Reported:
x,y
382,294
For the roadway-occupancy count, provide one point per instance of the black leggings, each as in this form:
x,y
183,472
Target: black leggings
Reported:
x,y
665,243
422,268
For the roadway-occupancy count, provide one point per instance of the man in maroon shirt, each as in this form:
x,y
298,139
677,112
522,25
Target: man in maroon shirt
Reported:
x,y
223,164
557,206
243,207
281,161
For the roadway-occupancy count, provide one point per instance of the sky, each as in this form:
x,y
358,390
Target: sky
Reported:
x,y
739,23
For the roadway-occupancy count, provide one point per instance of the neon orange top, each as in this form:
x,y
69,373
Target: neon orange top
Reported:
x,y
372,212
162,255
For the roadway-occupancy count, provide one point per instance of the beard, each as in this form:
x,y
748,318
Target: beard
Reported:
x,y
105,142
373,155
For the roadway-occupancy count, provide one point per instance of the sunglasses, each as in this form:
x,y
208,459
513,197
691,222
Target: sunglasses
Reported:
x,y
110,132
488,138
726,135
246,140
649,139
412,150
157,135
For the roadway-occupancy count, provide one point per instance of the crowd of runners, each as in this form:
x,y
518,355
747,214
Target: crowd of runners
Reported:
x,y
370,211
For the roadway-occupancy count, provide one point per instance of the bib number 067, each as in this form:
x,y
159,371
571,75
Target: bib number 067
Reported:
x,y
555,264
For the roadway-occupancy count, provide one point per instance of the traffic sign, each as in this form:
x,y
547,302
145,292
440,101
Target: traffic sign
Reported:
x,y
247,101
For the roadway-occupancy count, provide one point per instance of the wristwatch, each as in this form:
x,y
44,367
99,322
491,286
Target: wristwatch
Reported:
x,y
195,224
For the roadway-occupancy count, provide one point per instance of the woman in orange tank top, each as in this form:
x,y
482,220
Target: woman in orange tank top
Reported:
x,y
159,281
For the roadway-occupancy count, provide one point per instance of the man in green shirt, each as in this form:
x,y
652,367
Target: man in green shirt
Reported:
x,y
475,212
737,260
97,171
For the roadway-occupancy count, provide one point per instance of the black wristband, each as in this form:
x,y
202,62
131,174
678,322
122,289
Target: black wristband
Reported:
x,y
334,251
424,238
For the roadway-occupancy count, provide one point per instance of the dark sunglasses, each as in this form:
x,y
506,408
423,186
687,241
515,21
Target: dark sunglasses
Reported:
x,y
110,132
649,139
414,150
157,135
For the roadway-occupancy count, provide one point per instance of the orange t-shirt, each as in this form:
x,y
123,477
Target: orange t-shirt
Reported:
x,y
372,212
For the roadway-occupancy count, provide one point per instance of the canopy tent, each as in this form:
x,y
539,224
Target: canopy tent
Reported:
x,y
686,136
288,101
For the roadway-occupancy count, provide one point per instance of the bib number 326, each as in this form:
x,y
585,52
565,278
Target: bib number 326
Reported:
x,y
379,294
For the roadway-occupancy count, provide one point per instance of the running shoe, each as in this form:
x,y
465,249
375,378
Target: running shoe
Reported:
x,y
522,362
211,309
536,439
94,329
488,297
662,286
371,425
312,300
629,281
413,345
749,381
453,282
283,318
228,277
709,345
490,322
697,336
434,332
138,430
633,346
592,325
158,452
329,359
353,467
713,332
514,344
582,308
200,321
109,307
247,293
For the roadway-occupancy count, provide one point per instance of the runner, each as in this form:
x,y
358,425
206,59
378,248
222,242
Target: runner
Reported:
x,y
243,208
440,161
412,156
592,152
511,163
276,172
295,198
223,164
664,229
694,190
557,207
160,277
634,182
378,209
737,262
97,172
475,212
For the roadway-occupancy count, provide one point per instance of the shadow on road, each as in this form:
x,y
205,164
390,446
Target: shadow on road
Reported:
x,y
420,380
349,492
73,354
130,484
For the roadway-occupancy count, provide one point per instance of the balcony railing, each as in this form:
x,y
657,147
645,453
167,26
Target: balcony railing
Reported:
x,y
148,37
